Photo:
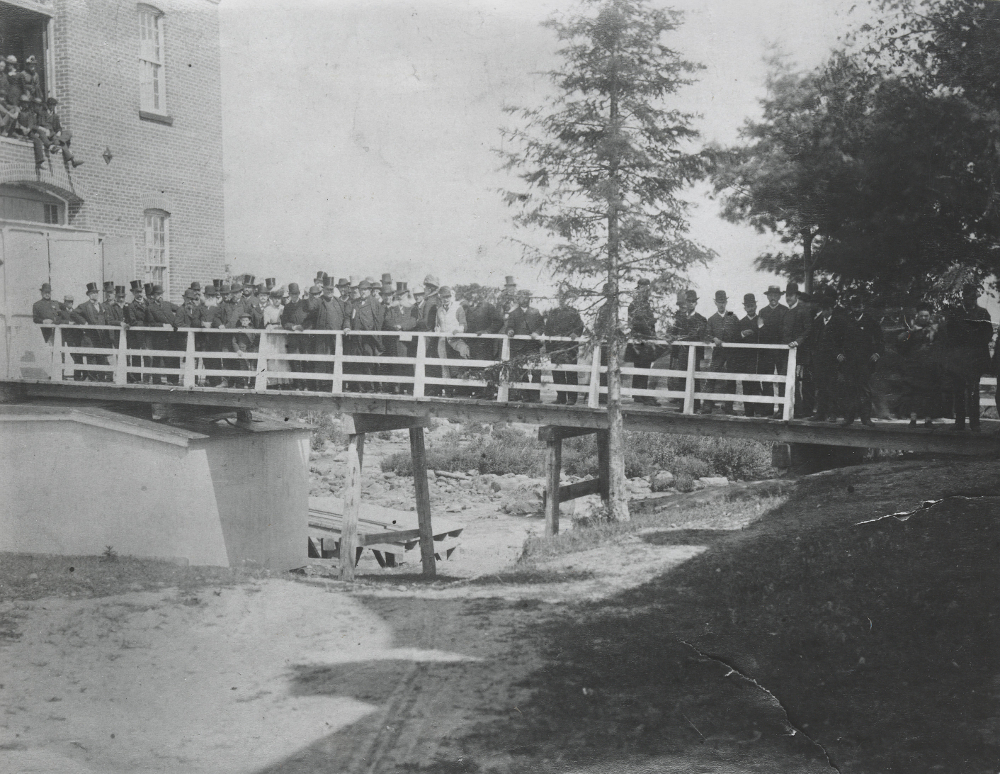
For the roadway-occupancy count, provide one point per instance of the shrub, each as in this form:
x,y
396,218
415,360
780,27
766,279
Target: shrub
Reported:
x,y
690,466
506,450
684,482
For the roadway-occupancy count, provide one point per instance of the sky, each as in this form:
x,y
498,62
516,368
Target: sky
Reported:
x,y
359,137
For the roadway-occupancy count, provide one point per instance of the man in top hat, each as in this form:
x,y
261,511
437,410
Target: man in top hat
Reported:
x,y
746,360
160,314
386,292
296,317
865,347
114,310
366,315
642,352
828,342
564,321
525,320
45,311
507,299
330,316
91,313
688,325
773,361
109,292
795,333
721,329
135,316
967,335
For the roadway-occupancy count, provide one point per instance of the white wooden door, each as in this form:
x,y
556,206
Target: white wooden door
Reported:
x,y
25,255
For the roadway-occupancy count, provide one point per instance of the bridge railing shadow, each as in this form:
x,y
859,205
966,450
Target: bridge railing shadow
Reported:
x,y
419,364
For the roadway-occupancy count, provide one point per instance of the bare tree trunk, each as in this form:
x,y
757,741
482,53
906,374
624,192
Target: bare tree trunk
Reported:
x,y
807,262
617,490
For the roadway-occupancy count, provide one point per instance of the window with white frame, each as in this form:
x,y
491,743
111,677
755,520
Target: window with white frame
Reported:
x,y
157,248
152,89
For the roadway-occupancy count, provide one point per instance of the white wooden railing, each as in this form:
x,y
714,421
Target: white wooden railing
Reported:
x,y
204,359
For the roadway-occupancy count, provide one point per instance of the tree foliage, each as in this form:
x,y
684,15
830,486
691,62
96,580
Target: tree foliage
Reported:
x,y
888,153
608,143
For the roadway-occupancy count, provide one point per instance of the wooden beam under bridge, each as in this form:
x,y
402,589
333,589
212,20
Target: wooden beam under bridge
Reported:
x,y
556,494
883,435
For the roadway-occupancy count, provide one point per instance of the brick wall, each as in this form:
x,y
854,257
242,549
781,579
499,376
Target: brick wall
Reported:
x,y
177,167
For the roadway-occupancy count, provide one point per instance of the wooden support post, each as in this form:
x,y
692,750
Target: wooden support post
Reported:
x,y
121,360
423,500
689,382
503,388
604,464
188,378
594,395
790,385
352,505
553,466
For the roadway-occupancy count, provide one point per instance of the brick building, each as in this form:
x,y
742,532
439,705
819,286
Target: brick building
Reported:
x,y
139,85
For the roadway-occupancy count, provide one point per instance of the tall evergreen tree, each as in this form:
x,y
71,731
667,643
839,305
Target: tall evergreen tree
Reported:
x,y
602,164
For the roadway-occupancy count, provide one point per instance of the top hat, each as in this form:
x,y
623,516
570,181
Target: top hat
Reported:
x,y
749,298
217,283
319,277
260,287
293,288
109,286
92,287
401,289
120,291
46,287
270,283
720,295
327,281
387,280
249,279
772,289
136,286
509,282
792,288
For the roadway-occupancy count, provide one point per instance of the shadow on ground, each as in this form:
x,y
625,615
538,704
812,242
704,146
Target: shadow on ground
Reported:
x,y
805,642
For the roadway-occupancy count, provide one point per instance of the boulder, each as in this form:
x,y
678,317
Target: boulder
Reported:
x,y
714,481
525,500
661,480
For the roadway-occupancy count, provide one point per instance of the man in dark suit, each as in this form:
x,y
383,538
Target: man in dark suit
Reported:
x,y
525,320
968,331
865,347
90,313
135,317
159,314
773,361
721,329
45,311
295,317
688,325
828,343
746,361
795,333
564,320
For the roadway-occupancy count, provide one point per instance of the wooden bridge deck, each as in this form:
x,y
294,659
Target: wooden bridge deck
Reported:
x,y
883,435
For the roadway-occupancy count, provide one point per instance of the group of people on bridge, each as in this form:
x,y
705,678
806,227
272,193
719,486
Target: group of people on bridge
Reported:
x,y
839,347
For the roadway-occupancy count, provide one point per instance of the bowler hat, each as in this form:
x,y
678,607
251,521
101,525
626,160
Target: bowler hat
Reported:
x,y
315,290
226,289
196,286
190,293
720,295
46,287
211,291
749,298
136,286
969,289
792,287
293,288
236,287
343,282
364,285
51,101
157,290
642,283
92,287
690,295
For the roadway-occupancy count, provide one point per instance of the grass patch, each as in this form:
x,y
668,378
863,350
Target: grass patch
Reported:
x,y
503,449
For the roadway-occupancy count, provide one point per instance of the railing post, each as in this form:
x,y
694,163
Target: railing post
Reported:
x,y
503,384
121,361
419,368
790,385
188,377
689,382
59,355
337,387
594,396
260,380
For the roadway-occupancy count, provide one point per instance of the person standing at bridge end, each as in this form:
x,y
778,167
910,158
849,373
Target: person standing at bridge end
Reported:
x,y
45,311
773,361
721,329
968,331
